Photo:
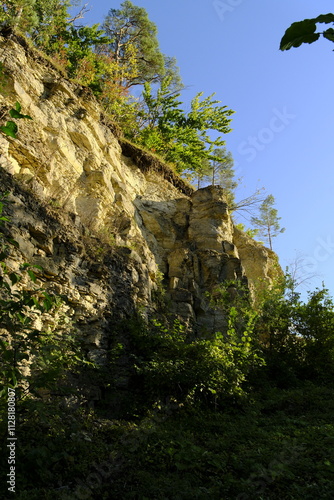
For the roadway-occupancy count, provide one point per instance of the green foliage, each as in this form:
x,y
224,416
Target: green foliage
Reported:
x,y
52,20
133,40
305,32
222,173
77,44
19,14
266,450
40,20
251,233
201,416
181,138
279,445
219,170
10,128
233,299
297,337
268,221
124,53
314,321
201,174
281,346
168,363
16,113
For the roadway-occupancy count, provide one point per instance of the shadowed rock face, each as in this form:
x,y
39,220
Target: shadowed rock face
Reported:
x,y
193,243
105,228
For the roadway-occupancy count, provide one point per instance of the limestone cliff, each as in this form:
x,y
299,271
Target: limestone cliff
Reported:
x,y
109,224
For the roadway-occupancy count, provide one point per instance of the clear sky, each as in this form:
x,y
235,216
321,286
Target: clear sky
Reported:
x,y
283,128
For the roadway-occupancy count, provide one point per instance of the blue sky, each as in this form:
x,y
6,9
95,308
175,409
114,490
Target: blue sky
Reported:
x,y
283,127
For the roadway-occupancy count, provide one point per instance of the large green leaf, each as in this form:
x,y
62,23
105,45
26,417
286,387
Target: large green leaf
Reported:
x,y
298,33
9,129
304,32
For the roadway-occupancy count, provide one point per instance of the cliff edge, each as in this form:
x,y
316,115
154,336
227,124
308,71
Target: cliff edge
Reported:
x,y
111,226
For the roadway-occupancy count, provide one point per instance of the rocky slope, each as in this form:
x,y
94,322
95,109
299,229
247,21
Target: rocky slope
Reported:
x,y
112,227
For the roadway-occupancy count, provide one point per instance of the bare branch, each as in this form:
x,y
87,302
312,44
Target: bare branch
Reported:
x,y
299,273
83,11
250,203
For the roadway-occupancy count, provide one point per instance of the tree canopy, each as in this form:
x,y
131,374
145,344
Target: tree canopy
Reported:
x,y
182,138
39,19
111,59
133,41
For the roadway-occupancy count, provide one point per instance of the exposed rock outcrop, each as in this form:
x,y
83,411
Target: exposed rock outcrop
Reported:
x,y
108,223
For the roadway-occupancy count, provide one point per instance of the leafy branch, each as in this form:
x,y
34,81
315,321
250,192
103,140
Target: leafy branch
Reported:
x,y
11,128
305,32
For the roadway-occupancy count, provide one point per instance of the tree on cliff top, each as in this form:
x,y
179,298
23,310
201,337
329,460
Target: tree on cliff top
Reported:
x,y
222,173
133,41
268,221
39,19
182,138
18,14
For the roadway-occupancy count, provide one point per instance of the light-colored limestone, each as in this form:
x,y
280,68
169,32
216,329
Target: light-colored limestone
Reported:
x,y
69,159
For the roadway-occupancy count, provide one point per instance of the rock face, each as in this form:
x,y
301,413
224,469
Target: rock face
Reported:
x,y
109,225
192,240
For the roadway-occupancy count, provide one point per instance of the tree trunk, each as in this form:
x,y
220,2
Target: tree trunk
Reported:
x,y
269,237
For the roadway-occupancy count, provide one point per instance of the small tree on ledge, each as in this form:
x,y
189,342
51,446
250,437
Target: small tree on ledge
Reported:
x,y
268,221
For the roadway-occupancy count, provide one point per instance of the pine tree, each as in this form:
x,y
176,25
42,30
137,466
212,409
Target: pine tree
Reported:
x,y
268,221
133,40
18,14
